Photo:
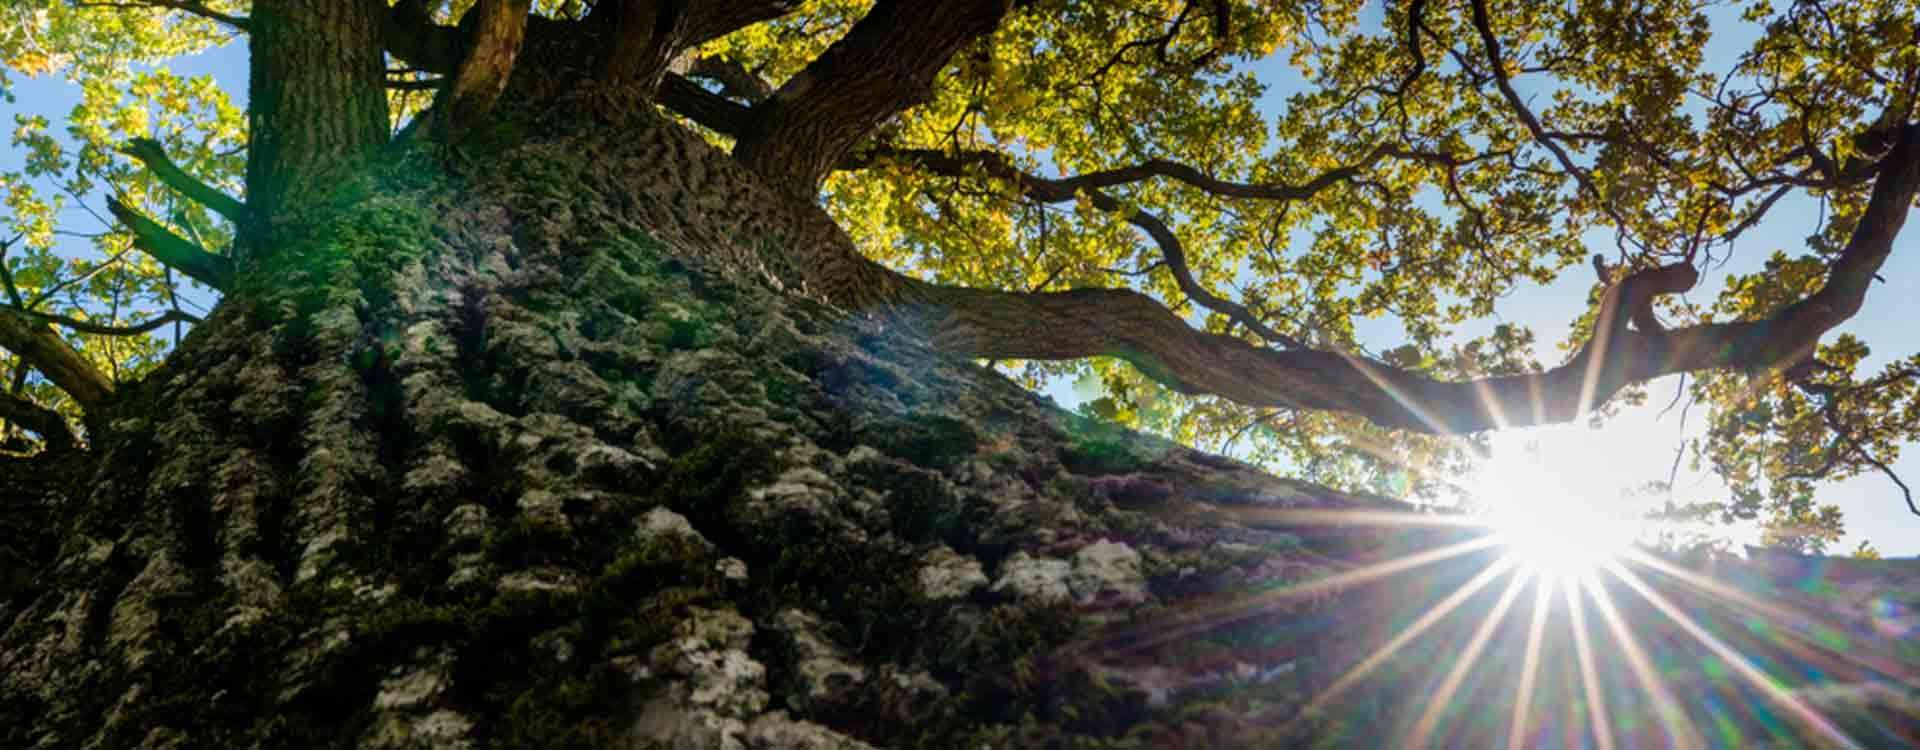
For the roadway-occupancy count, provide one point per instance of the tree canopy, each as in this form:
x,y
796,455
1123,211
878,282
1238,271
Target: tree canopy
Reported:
x,y
1014,159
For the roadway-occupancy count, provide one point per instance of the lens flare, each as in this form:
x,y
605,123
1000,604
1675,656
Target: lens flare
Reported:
x,y
1548,523
1561,541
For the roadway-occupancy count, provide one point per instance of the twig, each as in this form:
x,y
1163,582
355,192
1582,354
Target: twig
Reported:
x,y
199,9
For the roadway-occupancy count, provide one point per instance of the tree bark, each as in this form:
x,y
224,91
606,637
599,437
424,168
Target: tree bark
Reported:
x,y
886,63
316,102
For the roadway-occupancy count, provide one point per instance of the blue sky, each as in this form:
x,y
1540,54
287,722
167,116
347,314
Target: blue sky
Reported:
x,y
1599,465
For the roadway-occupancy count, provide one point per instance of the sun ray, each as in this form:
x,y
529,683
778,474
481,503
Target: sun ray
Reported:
x,y
1530,663
1484,391
1294,517
1208,618
1679,729
1366,367
1793,623
1430,719
1589,675
1387,650
1769,687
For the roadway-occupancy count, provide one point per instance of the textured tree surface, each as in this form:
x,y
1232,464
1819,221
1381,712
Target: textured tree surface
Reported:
x,y
521,453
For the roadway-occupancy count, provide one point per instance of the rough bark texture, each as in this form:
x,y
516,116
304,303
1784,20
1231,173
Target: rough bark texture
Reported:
x,y
886,63
316,102
534,456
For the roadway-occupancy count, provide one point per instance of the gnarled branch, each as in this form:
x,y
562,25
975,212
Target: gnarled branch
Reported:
x,y
734,79
716,18
409,32
1125,324
1171,249
710,110
640,38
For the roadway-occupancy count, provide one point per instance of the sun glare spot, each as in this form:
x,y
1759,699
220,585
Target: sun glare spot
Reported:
x,y
1563,541
1546,516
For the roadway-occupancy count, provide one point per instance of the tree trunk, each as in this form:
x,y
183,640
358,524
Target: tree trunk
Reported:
x,y
533,455
316,104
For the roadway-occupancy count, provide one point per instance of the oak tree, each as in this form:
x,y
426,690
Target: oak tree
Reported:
x,y
1067,188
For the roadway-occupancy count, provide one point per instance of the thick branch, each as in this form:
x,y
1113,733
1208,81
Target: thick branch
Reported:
x,y
716,18
1082,323
734,79
1054,190
173,250
150,153
39,420
317,106
886,63
641,38
498,28
408,31
40,347
711,110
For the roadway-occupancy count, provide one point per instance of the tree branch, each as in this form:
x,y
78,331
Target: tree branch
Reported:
x,y
1054,190
1125,324
408,31
734,79
190,6
641,38
170,316
498,28
154,156
47,423
1171,250
40,347
886,63
716,18
710,110
173,250
1498,67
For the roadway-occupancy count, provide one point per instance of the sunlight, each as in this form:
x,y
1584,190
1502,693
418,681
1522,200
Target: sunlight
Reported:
x,y
1423,730
1561,541
1547,516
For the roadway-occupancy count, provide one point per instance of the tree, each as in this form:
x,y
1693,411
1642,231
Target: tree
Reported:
x,y
458,348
